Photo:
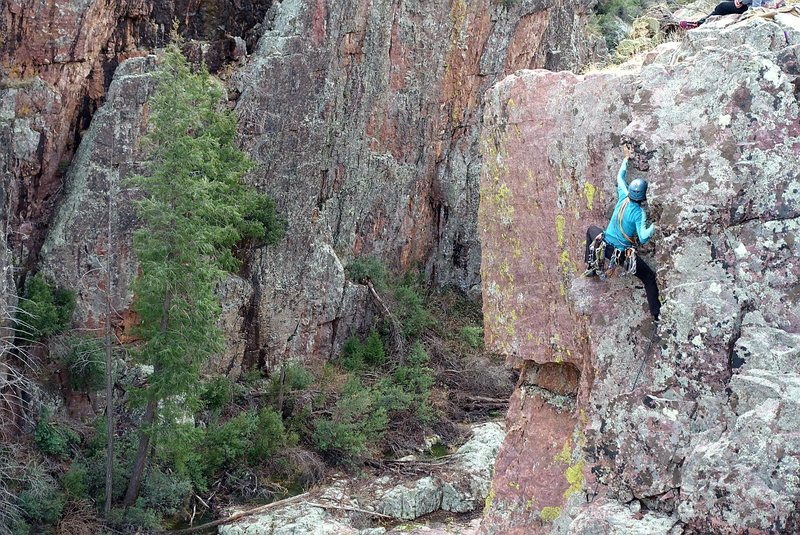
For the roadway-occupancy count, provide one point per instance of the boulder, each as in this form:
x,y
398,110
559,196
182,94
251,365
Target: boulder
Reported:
x,y
458,486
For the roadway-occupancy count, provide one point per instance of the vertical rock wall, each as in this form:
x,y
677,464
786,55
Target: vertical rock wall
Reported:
x,y
57,58
706,442
363,118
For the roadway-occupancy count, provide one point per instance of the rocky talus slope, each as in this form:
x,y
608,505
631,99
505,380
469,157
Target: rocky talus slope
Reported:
x,y
363,120
456,484
707,442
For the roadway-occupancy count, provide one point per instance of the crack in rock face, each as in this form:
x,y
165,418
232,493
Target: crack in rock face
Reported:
x,y
702,444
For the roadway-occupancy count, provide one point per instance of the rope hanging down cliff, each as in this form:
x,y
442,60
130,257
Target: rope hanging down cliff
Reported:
x,y
645,356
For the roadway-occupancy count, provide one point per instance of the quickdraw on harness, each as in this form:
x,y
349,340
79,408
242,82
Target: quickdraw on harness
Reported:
x,y
597,252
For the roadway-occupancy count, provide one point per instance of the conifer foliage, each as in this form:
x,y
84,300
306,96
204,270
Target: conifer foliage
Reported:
x,y
194,209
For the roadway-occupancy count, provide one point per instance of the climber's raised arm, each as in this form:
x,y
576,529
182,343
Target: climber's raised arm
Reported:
x,y
642,230
622,186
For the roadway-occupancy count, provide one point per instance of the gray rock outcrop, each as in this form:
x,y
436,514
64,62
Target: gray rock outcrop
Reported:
x,y
459,486
704,442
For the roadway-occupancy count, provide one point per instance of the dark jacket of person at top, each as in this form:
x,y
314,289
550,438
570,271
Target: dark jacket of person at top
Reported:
x,y
723,8
627,223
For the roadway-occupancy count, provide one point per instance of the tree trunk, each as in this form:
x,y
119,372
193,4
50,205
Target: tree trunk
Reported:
x,y
280,392
141,455
149,417
109,371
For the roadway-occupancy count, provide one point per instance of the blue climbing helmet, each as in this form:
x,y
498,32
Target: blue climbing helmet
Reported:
x,y
637,191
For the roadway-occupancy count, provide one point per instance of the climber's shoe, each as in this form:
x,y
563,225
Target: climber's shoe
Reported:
x,y
688,24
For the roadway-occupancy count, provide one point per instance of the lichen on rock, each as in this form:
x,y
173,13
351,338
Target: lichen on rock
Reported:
x,y
713,120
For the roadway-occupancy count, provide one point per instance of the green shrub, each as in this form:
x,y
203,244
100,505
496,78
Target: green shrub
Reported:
x,y
95,463
270,436
472,336
251,378
295,378
76,481
52,438
409,387
627,10
608,16
19,527
136,519
367,268
41,502
229,442
84,360
165,493
412,313
46,310
357,420
357,355
218,392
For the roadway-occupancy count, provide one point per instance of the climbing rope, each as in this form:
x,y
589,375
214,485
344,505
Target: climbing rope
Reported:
x,y
635,382
646,354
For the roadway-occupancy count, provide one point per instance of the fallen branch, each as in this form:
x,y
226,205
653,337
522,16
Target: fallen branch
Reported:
x,y
444,459
348,508
397,328
238,516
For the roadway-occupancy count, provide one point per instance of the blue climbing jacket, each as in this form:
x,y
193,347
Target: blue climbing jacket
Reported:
x,y
633,217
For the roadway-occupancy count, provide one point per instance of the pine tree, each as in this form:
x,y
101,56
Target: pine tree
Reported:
x,y
194,210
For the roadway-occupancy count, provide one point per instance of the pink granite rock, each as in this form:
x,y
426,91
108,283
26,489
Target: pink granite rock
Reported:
x,y
714,124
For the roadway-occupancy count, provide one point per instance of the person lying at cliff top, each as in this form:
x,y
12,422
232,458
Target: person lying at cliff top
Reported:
x,y
723,8
616,244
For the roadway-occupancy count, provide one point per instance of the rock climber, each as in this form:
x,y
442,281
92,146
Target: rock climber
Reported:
x,y
723,8
616,244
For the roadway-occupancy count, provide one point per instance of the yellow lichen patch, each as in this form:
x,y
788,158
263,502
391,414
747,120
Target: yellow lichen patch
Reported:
x,y
458,15
489,497
565,455
589,192
514,485
516,250
560,223
505,271
548,514
503,208
565,262
574,476
511,103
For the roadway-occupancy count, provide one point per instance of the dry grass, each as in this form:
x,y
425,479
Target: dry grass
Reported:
x,y
79,518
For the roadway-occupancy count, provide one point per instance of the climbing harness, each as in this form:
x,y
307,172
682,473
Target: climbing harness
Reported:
x,y
597,253
597,260
646,355
597,257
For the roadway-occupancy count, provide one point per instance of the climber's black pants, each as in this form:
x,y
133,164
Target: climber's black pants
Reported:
x,y
725,8
643,272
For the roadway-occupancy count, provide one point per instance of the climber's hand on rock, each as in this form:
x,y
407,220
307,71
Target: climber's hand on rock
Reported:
x,y
626,150
737,3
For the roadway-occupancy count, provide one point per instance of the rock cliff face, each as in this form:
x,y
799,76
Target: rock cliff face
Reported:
x,y
57,58
707,441
363,118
